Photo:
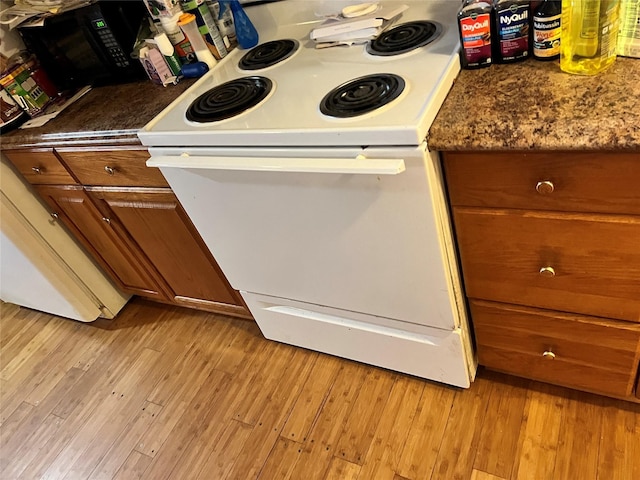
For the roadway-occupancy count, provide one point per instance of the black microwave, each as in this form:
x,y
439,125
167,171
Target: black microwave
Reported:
x,y
90,45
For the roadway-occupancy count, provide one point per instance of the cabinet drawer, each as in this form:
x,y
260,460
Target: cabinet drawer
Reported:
x,y
571,181
586,264
581,352
113,167
40,167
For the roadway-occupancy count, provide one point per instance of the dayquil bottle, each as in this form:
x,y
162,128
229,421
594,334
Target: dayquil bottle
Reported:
x,y
511,27
588,36
546,30
474,26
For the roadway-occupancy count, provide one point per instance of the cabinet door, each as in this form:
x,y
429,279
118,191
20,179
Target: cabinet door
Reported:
x,y
120,257
159,225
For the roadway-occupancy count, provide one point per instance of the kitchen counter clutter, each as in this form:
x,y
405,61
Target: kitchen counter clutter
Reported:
x,y
542,171
533,105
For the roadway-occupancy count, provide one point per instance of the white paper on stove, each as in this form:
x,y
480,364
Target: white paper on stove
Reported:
x,y
364,34
341,26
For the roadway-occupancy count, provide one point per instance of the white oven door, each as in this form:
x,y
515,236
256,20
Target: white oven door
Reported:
x,y
348,228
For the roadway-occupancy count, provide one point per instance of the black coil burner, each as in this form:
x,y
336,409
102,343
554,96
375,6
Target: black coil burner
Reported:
x,y
268,54
229,99
362,95
403,38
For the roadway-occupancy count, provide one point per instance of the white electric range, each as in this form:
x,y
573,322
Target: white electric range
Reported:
x,y
307,173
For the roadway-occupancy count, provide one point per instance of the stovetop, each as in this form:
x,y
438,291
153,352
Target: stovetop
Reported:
x,y
293,98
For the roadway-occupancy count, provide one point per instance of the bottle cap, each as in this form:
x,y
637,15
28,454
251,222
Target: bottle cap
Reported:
x,y
186,18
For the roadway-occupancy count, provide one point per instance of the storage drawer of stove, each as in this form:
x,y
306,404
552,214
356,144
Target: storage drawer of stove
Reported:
x,y
123,167
561,181
582,352
579,263
435,354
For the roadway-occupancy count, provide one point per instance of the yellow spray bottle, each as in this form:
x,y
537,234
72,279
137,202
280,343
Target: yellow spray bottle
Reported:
x,y
588,36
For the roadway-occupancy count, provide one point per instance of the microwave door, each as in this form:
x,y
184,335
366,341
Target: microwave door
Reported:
x,y
63,51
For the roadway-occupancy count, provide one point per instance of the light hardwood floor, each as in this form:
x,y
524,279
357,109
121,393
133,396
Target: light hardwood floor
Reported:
x,y
169,393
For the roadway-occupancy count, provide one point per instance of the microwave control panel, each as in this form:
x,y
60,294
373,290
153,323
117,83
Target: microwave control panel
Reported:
x,y
99,25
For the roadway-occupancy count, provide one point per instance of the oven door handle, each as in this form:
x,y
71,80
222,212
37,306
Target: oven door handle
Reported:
x,y
359,165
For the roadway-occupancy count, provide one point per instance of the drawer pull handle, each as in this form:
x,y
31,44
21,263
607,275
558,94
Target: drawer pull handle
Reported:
x,y
545,187
548,272
106,220
37,170
109,170
55,216
549,355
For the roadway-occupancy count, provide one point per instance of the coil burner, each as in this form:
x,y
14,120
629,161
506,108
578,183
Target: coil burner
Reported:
x,y
362,95
404,37
268,54
229,99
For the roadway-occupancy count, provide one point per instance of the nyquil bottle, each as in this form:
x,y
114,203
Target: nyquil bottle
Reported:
x,y
474,25
511,27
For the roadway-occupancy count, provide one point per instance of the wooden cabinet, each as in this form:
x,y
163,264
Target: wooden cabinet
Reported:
x,y
40,167
108,243
549,245
578,351
561,181
112,167
159,225
569,262
128,218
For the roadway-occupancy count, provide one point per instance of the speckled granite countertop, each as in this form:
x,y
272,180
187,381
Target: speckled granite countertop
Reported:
x,y
535,105
519,107
108,115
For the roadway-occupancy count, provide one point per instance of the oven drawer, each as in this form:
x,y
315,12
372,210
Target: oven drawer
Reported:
x,y
571,350
574,182
113,167
570,262
433,353
40,167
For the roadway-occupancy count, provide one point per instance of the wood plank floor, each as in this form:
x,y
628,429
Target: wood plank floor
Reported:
x,y
169,393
